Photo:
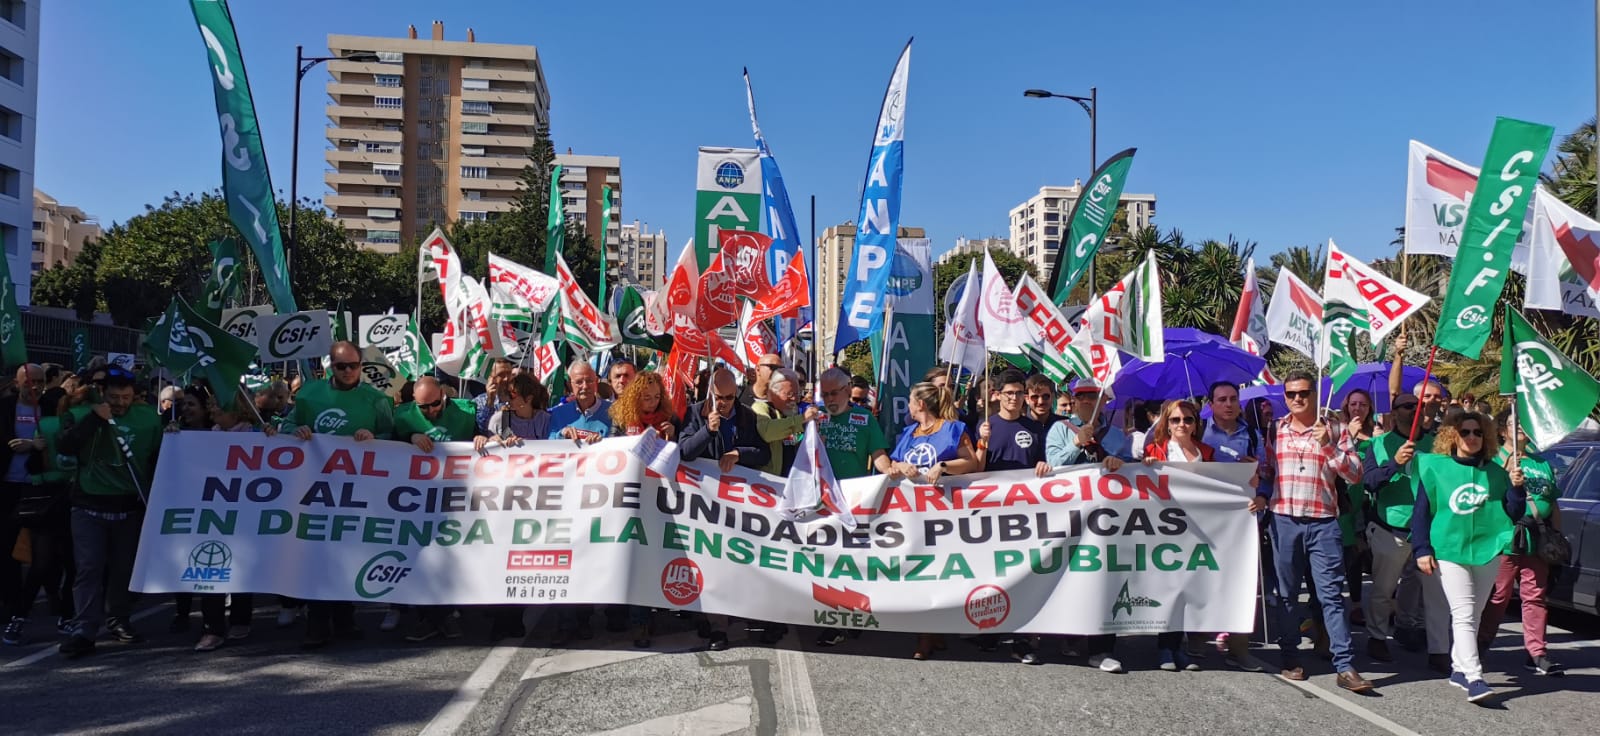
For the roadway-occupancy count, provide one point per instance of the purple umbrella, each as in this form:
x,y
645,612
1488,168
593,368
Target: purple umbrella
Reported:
x,y
1272,393
1194,361
1374,379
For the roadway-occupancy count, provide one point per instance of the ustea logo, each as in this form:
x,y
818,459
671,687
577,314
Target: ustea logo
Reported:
x,y
681,582
209,562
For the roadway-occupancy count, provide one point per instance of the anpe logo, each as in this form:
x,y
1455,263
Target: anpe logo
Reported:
x,y
729,174
988,606
681,582
383,568
539,559
209,562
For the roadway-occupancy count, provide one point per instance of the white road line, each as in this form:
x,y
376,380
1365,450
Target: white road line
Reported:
x,y
1353,709
795,679
51,649
588,659
712,720
455,712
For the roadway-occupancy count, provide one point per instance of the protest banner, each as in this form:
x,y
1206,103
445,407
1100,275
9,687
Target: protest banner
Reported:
x,y
1083,551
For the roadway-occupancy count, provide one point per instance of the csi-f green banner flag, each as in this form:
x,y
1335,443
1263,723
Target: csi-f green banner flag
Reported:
x,y
605,224
80,349
631,322
245,182
555,230
182,341
13,344
1086,227
1553,394
223,281
1494,222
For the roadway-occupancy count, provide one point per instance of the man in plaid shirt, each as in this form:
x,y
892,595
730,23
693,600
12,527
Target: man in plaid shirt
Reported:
x,y
1309,455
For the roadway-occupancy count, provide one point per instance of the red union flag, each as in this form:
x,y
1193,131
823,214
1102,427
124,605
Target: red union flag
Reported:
x,y
755,338
1047,321
580,318
1385,302
679,375
786,298
716,304
1438,189
677,294
743,256
1295,317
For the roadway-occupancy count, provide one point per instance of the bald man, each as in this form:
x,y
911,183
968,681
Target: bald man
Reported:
x,y
722,429
432,417
756,390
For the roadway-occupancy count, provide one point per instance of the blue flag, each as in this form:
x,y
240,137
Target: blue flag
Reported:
x,y
861,310
779,220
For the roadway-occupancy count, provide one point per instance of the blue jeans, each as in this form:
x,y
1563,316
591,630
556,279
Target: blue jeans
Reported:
x,y
104,546
1299,544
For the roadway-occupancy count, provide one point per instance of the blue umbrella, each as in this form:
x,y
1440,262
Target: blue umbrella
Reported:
x,y
1272,393
1374,379
1194,361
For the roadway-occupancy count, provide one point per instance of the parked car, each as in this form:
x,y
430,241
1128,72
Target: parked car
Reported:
x,y
1576,461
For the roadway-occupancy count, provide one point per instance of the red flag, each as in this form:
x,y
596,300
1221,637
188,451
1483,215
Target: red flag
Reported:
x,y
786,298
678,376
744,256
716,304
756,339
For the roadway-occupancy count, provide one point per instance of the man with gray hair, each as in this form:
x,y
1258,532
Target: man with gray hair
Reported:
x,y
587,417
780,421
721,429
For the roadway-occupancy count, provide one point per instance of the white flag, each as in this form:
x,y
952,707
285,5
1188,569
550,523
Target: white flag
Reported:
x,y
438,259
1128,316
1051,331
1386,302
963,332
1250,321
811,481
678,297
1438,190
518,292
585,325
1295,316
1004,330
1564,268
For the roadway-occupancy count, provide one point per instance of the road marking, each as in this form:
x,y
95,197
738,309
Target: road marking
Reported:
x,y
712,720
51,648
1353,709
588,659
454,713
798,695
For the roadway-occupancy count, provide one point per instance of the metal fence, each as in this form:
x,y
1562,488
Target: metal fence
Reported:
x,y
50,338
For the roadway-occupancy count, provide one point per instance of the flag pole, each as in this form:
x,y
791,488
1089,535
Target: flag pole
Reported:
x,y
816,339
1426,374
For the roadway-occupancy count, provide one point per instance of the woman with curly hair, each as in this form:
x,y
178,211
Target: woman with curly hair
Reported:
x,y
641,406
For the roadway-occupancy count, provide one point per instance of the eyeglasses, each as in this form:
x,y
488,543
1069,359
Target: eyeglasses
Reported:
x,y
433,404
1181,420
1012,394
346,366
1470,432
1297,395
1039,397
770,366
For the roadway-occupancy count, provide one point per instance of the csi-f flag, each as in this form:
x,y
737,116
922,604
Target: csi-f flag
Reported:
x,y
1553,394
223,281
862,308
13,345
1294,318
555,228
80,349
1494,222
631,322
184,342
246,185
1086,226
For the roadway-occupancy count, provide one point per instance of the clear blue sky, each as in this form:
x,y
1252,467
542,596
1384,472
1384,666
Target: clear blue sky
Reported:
x,y
1283,123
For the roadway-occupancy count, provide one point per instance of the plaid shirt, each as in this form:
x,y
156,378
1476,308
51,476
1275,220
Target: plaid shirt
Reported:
x,y
1306,471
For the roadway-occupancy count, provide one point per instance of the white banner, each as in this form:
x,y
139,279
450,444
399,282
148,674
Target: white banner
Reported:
x,y
1294,318
241,322
382,330
1386,302
1438,189
1149,549
1564,268
294,336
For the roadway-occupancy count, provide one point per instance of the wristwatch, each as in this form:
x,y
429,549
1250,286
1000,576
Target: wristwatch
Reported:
x,y
942,469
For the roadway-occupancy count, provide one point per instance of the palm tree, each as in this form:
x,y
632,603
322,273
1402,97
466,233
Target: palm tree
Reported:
x,y
1571,176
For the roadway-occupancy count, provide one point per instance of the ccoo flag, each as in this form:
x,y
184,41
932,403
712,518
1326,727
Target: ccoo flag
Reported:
x,y
1494,222
1553,393
862,308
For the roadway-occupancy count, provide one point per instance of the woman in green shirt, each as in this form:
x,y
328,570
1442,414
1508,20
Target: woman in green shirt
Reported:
x,y
1529,573
1459,526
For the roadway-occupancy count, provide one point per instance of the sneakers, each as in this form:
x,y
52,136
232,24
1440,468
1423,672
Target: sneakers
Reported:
x,y
209,643
238,632
1459,680
1238,654
828,638
423,631
286,616
1023,652
1106,663
391,620
1478,691
1169,661
123,631
76,646
13,632
1540,665
450,627
1186,663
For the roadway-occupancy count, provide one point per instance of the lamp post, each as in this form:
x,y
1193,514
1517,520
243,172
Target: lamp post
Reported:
x,y
303,64
1090,105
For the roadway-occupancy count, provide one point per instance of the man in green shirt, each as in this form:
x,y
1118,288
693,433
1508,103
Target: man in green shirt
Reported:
x,y
1395,608
346,406
433,417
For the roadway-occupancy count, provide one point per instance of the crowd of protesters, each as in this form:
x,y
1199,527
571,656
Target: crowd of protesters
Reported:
x,y
1340,497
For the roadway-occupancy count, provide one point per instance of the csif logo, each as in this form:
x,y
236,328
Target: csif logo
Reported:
x,y
1126,602
383,331
293,331
1467,499
1472,317
330,421
383,568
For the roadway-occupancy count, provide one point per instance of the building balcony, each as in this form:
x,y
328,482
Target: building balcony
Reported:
x,y
387,249
363,89
490,183
361,223
499,118
488,205
335,179
362,201
364,135
340,113
523,142
515,162
362,156
338,67
518,97
498,75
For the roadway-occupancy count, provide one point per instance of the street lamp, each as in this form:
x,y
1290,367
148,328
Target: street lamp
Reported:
x,y
303,64
1090,105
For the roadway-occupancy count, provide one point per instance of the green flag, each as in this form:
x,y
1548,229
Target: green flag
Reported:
x,y
551,335
184,342
1340,322
246,185
80,349
222,283
1553,394
605,223
412,358
555,232
1493,224
13,343
1091,217
631,321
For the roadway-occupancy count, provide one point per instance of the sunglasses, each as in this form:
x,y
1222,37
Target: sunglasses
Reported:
x,y
1181,420
346,366
1470,432
729,397
1297,394
433,404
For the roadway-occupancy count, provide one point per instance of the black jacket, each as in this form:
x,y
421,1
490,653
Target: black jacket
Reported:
x,y
8,432
699,442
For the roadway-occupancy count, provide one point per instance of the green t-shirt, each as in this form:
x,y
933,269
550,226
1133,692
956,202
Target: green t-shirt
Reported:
x,y
326,410
1540,481
102,465
1469,525
58,468
456,423
1353,496
851,438
1392,502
